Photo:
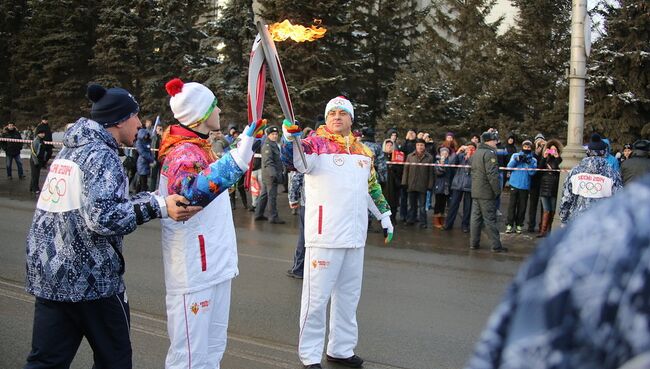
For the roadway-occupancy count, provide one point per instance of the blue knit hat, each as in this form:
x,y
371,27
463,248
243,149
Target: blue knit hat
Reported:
x,y
111,106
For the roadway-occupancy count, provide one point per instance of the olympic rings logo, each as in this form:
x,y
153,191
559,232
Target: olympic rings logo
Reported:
x,y
54,189
590,187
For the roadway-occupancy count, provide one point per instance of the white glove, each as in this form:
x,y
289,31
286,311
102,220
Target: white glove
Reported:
x,y
244,152
387,225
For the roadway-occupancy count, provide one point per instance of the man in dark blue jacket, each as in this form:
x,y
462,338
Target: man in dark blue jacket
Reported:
x,y
74,246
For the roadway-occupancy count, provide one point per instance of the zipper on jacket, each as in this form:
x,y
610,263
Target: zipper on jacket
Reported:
x,y
204,260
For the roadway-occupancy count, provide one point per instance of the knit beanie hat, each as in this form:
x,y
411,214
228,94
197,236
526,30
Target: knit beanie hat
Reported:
x,y
190,102
527,143
340,102
596,143
539,136
111,106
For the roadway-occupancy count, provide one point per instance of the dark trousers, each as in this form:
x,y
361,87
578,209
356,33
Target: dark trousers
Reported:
x,y
454,204
242,194
269,195
517,207
533,203
441,204
403,203
155,176
484,215
299,256
60,326
142,184
19,164
417,208
35,171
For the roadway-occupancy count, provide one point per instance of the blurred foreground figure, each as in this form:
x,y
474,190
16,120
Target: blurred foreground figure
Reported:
x,y
583,299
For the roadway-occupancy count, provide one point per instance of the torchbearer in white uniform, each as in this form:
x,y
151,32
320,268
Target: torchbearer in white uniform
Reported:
x,y
340,188
199,254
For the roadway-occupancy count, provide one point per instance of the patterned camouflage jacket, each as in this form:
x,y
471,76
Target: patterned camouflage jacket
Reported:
x,y
575,202
74,246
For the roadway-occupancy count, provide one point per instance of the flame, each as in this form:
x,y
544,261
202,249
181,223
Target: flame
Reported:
x,y
284,30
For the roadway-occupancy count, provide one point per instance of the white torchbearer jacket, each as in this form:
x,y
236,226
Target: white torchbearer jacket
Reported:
x,y
340,188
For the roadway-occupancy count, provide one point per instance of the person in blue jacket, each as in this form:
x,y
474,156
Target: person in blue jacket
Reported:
x,y
611,159
520,186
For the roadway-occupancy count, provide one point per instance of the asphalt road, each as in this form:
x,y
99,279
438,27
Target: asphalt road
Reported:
x,y
425,299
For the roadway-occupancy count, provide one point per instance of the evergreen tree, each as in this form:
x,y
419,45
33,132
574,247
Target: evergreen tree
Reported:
x,y
67,47
173,51
27,60
449,71
527,97
386,31
618,104
226,53
50,66
422,96
12,14
123,45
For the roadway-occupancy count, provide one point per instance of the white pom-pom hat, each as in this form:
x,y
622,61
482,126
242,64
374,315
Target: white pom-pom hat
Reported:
x,y
190,102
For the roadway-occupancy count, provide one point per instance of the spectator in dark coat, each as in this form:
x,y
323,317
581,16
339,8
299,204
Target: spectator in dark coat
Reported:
x,y
549,182
441,187
533,200
155,145
393,183
37,160
45,127
145,158
461,188
417,179
638,163
12,150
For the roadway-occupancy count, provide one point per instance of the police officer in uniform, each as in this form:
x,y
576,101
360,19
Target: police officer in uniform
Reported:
x,y
485,189
272,175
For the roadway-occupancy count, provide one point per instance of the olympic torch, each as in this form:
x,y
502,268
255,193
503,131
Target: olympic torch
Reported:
x,y
257,70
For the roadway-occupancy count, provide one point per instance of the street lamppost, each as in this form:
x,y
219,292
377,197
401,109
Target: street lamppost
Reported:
x,y
580,45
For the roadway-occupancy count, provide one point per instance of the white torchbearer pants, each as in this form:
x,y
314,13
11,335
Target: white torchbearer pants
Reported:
x,y
335,274
197,324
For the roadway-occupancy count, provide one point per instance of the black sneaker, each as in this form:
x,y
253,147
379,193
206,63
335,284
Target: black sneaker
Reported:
x,y
476,247
352,362
313,366
500,249
293,275
465,230
261,217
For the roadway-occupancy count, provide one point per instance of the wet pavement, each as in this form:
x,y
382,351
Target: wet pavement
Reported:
x,y
425,298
